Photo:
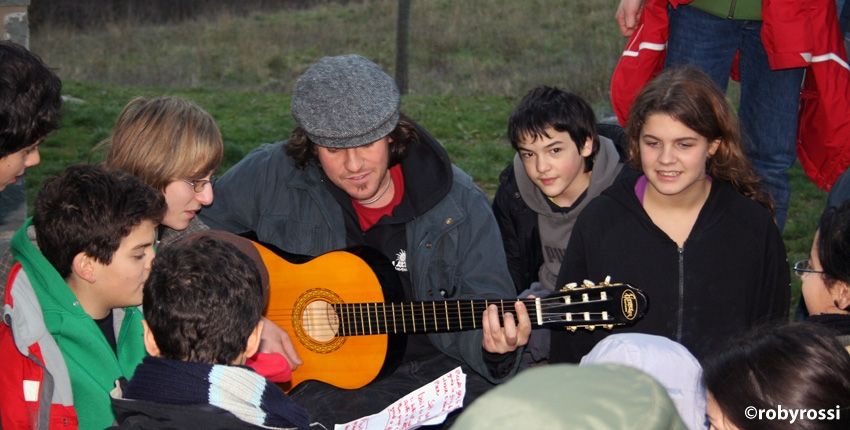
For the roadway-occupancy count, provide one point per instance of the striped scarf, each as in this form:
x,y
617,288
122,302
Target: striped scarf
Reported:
x,y
238,390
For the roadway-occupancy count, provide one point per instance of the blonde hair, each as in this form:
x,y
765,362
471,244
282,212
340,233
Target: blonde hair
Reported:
x,y
163,139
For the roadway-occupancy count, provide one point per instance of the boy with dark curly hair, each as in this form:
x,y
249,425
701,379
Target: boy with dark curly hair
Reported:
x,y
30,102
203,304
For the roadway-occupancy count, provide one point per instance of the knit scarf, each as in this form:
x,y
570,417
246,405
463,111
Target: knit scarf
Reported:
x,y
238,390
92,364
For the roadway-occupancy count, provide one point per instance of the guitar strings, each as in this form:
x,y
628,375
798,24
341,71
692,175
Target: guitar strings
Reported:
x,y
323,330
357,308
353,318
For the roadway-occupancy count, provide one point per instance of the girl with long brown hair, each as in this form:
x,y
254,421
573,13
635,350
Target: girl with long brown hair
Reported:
x,y
688,224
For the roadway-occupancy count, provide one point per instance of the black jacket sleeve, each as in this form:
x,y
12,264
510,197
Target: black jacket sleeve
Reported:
x,y
506,207
775,289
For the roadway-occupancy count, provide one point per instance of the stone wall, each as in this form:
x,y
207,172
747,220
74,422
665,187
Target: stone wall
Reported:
x,y
14,24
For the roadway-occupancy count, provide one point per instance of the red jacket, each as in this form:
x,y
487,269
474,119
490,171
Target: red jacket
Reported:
x,y
794,34
35,390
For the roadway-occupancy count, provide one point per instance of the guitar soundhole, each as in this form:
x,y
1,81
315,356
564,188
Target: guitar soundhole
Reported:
x,y
315,322
320,321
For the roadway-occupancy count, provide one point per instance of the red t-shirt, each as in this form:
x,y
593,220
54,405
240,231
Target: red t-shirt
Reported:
x,y
368,217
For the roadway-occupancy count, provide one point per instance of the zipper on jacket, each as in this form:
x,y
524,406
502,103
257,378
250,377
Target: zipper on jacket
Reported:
x,y
732,9
680,312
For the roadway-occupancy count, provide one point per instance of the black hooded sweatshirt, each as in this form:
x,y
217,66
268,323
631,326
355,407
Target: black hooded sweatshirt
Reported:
x,y
731,274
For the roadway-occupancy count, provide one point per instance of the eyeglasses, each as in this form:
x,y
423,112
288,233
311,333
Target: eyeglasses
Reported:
x,y
198,185
805,266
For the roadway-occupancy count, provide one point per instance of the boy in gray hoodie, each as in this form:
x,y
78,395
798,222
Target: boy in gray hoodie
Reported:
x,y
561,163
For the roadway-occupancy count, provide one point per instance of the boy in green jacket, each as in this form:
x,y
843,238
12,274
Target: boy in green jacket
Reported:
x,y
72,326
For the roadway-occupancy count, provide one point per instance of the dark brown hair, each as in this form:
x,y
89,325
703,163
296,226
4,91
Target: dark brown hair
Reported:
x,y
833,243
30,98
403,136
689,96
544,107
202,300
91,209
798,366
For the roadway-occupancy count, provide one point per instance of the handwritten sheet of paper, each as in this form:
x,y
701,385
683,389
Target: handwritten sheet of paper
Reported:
x,y
428,405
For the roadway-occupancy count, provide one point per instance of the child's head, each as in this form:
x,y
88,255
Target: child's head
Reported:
x,y
203,302
798,366
30,103
826,284
670,363
174,146
684,109
98,226
554,133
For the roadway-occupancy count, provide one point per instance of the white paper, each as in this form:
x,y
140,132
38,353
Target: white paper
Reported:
x,y
427,405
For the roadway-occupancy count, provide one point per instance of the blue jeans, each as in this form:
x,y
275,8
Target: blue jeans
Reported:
x,y
769,98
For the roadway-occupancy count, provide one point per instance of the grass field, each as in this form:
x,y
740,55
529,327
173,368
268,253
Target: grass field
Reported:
x,y
470,63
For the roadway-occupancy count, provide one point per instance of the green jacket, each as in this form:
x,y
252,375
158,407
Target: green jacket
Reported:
x,y
731,9
92,365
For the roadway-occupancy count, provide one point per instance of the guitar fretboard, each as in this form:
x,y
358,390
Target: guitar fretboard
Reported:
x,y
356,319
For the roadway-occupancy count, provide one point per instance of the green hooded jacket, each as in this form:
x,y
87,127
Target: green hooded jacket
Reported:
x,y
92,364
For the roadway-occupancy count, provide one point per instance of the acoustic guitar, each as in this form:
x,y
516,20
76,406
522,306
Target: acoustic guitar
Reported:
x,y
349,328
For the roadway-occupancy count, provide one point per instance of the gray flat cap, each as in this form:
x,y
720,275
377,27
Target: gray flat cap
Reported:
x,y
345,101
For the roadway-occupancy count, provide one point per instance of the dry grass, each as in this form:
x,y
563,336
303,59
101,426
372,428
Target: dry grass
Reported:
x,y
479,47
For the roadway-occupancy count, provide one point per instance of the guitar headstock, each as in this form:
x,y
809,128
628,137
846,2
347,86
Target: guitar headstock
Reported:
x,y
590,305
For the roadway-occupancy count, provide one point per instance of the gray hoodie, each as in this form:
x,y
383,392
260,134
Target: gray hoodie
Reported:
x,y
556,227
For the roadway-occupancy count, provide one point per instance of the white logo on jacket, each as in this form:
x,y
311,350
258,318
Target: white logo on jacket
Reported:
x,y
400,262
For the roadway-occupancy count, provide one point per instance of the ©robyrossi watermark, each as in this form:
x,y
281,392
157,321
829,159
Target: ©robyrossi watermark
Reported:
x,y
780,413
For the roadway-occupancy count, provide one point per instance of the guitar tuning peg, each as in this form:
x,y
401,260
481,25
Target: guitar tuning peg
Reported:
x,y
571,329
570,286
590,327
607,281
588,283
608,326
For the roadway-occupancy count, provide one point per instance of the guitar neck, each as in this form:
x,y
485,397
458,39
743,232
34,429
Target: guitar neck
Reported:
x,y
357,319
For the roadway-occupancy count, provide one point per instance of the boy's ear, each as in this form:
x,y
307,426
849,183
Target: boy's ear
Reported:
x,y
587,148
83,266
150,342
254,340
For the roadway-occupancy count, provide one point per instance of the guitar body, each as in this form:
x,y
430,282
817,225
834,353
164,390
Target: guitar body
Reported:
x,y
298,294
347,319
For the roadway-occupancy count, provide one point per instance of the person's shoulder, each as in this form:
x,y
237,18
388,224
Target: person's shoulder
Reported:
x,y
840,191
743,206
267,163
612,207
618,192
269,153
506,177
603,206
465,195
737,209
463,179
508,186
147,415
